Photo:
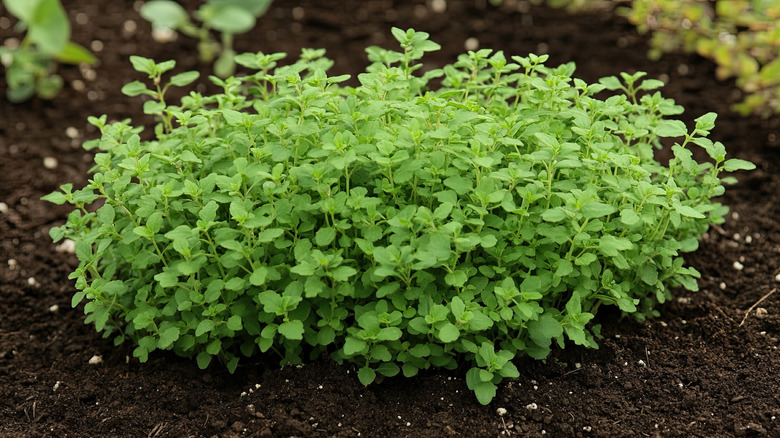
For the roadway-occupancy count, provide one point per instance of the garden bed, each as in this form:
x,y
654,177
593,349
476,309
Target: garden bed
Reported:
x,y
704,368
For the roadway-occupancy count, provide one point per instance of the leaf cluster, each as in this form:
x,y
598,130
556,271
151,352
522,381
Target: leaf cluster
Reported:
x,y
30,66
389,225
228,17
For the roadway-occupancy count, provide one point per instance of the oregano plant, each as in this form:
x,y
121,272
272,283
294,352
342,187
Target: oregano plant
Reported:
x,y
389,225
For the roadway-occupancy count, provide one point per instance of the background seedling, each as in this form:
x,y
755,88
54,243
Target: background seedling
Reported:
x,y
30,65
228,17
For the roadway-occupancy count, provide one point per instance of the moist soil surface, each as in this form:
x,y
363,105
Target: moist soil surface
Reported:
x,y
705,368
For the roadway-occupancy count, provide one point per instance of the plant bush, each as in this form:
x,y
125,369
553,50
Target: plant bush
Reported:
x,y
30,65
389,225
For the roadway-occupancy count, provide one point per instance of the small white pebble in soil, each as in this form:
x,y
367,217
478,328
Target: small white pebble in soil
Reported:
x,y
501,412
680,385
78,85
89,74
587,428
438,6
243,393
577,365
536,387
96,46
641,363
748,239
32,282
663,323
82,18
722,286
50,162
735,216
56,385
71,132
164,35
532,406
408,424
617,336
737,236
95,360
471,44
684,321
3,208
319,387
129,27
67,246
777,277
761,312
12,264
738,266
54,308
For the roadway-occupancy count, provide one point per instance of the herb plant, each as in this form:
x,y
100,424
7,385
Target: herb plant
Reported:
x,y
30,67
389,225
229,17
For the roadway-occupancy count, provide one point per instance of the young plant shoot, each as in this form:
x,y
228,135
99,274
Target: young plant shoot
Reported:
x,y
390,225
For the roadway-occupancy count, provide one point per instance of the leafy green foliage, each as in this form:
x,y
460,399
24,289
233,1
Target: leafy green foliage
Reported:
x,y
228,17
389,225
30,66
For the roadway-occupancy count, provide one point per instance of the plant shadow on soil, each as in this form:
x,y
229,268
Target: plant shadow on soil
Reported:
x,y
696,371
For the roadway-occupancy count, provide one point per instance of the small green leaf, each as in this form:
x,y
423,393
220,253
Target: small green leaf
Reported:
x,y
448,333
366,375
259,276
325,236
234,323
292,330
185,78
168,337
204,326
342,273
269,235
735,164
544,329
353,346
136,88
670,128
460,184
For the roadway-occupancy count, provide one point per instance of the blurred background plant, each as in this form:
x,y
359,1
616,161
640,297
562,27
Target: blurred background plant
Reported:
x,y
228,17
30,65
741,36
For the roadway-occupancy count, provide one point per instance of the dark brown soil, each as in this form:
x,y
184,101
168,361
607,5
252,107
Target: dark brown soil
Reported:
x,y
698,371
